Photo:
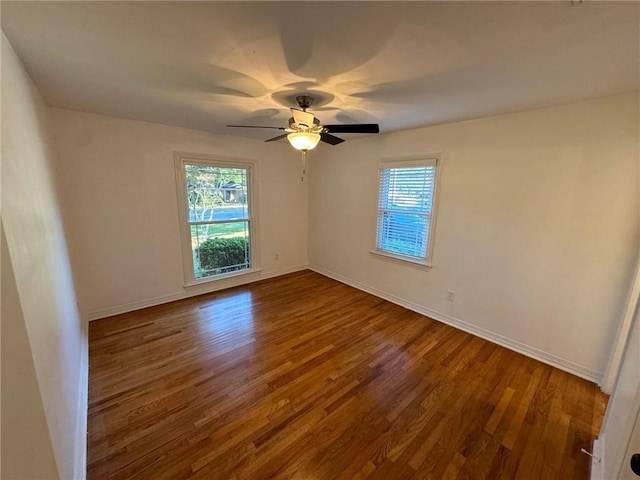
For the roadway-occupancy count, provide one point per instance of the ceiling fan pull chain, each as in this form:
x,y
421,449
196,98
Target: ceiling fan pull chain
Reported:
x,y
303,164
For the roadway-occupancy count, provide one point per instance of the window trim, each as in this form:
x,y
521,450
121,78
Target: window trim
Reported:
x,y
431,159
180,160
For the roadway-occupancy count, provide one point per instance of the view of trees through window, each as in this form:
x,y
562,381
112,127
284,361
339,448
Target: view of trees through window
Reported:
x,y
218,218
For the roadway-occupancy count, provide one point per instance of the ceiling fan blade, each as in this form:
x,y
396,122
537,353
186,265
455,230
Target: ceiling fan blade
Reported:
x,y
254,126
274,139
330,139
354,128
302,118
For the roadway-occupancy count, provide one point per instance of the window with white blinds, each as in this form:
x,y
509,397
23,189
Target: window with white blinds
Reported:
x,y
406,209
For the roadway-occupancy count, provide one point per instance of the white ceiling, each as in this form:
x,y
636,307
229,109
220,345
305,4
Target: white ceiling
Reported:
x,y
203,65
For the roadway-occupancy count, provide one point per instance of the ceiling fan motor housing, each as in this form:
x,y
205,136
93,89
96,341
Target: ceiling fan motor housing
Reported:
x,y
304,101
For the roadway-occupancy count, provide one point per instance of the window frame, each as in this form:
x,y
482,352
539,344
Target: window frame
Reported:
x,y
180,160
404,162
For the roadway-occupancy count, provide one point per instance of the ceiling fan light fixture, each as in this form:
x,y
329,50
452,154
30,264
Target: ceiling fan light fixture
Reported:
x,y
303,140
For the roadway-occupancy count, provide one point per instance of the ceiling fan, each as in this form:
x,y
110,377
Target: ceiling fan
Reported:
x,y
304,130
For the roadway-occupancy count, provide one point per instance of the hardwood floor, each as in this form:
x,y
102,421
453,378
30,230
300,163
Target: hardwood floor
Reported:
x,y
302,377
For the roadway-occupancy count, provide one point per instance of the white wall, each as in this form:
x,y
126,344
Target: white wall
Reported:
x,y
44,363
118,191
537,229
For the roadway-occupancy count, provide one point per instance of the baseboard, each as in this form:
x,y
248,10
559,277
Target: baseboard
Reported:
x,y
130,307
528,350
80,460
187,293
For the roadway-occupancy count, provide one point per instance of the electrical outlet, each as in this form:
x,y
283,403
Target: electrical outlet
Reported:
x,y
451,295
277,256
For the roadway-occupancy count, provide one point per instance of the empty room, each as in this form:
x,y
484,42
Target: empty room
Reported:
x,y
320,240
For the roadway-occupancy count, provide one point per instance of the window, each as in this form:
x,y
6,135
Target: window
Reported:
x,y
406,211
215,202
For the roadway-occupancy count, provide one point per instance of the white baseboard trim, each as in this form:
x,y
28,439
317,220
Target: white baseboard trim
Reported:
x,y
528,350
130,307
190,292
80,460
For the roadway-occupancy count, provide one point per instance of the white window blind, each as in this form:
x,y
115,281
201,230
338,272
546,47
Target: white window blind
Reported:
x,y
405,208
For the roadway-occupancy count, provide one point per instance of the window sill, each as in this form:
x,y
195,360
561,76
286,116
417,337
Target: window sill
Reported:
x,y
224,276
412,261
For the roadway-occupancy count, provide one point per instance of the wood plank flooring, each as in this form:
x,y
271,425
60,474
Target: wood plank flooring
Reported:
x,y
302,377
